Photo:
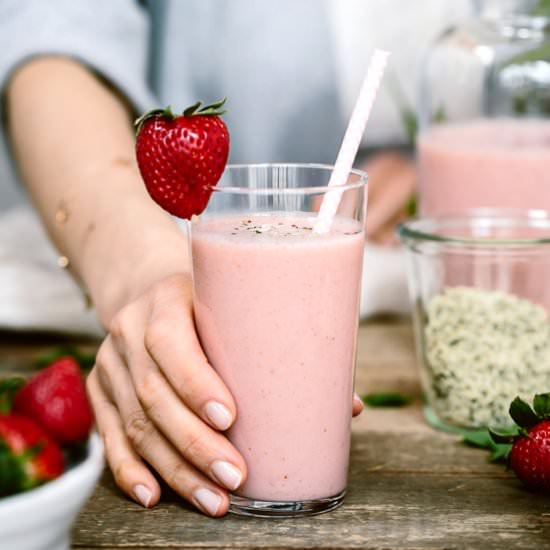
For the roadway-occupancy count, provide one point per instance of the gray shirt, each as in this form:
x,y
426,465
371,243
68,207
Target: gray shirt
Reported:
x,y
273,60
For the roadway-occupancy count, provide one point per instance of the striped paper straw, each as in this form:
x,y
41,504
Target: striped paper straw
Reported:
x,y
352,140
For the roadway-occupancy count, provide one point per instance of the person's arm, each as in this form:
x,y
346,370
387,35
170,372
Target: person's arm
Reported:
x,y
74,142
155,397
154,394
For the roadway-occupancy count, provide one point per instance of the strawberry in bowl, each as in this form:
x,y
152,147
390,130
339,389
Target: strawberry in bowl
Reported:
x,y
28,455
56,399
181,158
49,460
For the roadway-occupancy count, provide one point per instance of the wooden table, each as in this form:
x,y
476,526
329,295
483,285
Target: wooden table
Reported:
x,y
410,487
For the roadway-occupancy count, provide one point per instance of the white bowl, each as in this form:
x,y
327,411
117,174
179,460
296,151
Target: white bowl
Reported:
x,y
41,519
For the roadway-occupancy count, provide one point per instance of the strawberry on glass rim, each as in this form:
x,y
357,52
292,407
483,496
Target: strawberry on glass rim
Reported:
x,y
182,157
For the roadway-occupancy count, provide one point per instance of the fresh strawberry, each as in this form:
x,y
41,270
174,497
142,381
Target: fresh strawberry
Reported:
x,y
530,457
181,158
530,444
28,455
56,399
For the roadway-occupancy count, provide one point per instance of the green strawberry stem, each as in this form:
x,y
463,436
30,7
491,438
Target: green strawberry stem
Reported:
x,y
12,472
213,109
84,359
522,414
500,443
504,437
541,404
8,389
483,439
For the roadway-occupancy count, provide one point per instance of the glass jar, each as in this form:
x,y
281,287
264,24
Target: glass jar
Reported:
x,y
481,301
484,113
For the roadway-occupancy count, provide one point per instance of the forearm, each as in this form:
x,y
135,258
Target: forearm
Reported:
x,y
73,141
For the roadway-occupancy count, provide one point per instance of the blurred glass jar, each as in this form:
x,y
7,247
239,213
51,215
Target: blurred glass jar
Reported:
x,y
484,117
481,302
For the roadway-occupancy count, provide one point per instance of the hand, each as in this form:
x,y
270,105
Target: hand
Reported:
x,y
158,401
392,181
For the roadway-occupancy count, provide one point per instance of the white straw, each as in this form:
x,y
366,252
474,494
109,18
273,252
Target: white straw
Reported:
x,y
352,140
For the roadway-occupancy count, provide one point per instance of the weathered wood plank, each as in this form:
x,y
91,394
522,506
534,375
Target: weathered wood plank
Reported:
x,y
385,358
410,487
382,511
406,491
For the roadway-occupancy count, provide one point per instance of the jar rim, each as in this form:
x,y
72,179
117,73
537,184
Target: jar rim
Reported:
x,y
482,220
361,179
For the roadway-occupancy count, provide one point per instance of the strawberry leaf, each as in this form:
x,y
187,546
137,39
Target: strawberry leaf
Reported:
x,y
478,438
386,399
482,439
166,113
504,437
12,474
214,109
192,109
500,453
8,388
85,360
522,414
216,105
541,404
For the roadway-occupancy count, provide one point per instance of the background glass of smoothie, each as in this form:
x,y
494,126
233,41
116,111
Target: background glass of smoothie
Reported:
x,y
492,163
276,309
484,112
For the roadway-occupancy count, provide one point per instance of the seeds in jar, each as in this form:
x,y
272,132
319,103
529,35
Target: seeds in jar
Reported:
x,y
482,349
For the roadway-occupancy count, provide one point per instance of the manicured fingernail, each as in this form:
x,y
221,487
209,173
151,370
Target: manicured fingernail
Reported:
x,y
358,399
227,474
218,415
207,500
143,495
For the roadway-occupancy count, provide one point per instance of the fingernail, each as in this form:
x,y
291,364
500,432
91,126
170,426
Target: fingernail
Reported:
x,y
143,494
218,415
357,398
227,474
207,500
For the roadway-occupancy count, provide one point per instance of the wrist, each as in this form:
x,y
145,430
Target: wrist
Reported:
x,y
129,280
125,257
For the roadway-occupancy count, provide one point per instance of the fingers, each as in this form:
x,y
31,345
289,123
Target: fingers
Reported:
x,y
149,443
175,417
171,342
357,407
130,474
200,444
169,436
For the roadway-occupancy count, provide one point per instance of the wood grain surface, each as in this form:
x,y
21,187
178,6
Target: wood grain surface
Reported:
x,y
410,487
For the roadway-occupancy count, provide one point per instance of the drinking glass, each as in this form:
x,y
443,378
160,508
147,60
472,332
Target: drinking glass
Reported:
x,y
276,309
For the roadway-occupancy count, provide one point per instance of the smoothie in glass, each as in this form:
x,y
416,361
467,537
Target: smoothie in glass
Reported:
x,y
491,163
276,310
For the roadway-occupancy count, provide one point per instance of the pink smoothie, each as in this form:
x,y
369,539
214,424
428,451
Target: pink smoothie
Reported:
x,y
502,163
277,311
